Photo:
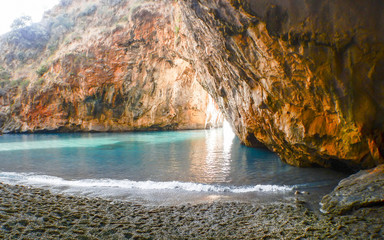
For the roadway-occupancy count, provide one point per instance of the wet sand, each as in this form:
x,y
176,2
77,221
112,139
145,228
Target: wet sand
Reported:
x,y
32,213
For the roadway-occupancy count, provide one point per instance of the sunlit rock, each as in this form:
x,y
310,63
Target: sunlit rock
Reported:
x,y
101,68
303,78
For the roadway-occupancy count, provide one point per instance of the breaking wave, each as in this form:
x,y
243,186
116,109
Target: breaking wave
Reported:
x,y
31,179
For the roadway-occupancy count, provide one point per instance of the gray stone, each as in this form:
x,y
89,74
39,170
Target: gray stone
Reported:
x,y
363,189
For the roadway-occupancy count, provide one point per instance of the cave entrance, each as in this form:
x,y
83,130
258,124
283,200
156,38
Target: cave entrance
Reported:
x,y
215,119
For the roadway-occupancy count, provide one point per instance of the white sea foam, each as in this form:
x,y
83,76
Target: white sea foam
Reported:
x,y
88,184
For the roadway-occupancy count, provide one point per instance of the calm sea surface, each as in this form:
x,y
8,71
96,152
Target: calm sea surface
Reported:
x,y
155,167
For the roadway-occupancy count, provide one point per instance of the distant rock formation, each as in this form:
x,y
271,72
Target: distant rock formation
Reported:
x,y
100,66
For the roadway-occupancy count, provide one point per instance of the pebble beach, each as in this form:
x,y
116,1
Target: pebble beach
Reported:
x,y
33,213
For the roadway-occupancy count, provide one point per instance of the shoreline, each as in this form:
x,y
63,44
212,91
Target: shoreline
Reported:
x,y
27,212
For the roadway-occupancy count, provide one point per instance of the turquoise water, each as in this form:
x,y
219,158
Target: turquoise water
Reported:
x,y
153,166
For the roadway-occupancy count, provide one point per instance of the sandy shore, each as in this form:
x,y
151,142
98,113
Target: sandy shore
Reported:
x,y
30,213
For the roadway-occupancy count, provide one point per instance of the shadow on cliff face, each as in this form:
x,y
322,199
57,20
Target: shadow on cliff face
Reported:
x,y
301,77
103,66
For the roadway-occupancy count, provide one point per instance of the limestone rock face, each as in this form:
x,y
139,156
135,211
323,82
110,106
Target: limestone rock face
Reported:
x,y
362,189
100,66
302,77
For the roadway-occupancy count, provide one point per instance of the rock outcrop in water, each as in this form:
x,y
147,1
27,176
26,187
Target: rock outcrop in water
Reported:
x,y
302,77
100,66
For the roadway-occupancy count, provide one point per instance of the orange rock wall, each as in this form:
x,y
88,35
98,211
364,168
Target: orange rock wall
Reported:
x,y
303,78
123,77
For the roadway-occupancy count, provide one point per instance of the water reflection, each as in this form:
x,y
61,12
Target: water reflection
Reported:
x,y
228,136
215,167
213,156
147,164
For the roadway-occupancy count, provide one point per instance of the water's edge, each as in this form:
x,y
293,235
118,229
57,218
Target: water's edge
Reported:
x,y
156,167
36,213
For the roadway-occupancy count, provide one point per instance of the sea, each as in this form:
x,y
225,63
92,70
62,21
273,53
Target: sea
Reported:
x,y
157,168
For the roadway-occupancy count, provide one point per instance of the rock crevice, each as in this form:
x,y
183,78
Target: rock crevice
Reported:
x,y
298,76
114,69
302,77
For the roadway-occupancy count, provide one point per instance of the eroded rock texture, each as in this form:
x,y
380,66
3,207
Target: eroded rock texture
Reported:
x,y
100,66
303,77
363,189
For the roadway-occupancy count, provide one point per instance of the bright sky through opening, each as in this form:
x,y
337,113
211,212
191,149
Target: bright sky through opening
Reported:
x,y
12,9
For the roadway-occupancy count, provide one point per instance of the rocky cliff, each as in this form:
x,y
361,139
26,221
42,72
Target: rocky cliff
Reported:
x,y
302,77
100,66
